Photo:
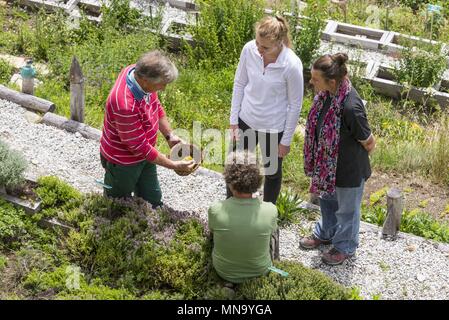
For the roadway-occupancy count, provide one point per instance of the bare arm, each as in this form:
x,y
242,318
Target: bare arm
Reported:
x,y
369,143
166,130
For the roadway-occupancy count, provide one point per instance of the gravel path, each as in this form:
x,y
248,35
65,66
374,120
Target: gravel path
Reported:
x,y
409,268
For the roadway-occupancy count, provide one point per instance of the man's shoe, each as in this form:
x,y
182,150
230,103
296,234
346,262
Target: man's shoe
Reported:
x,y
334,257
312,242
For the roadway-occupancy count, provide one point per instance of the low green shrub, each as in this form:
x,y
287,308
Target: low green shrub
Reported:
x,y
55,193
301,284
413,221
12,225
12,166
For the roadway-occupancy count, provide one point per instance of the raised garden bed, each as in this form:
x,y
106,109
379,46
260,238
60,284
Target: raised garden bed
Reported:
x,y
384,82
348,34
395,40
23,197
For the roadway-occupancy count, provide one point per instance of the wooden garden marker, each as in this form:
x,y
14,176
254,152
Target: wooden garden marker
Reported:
x,y
76,92
395,205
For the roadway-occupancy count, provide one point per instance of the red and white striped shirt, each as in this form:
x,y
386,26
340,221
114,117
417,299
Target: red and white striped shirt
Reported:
x,y
130,126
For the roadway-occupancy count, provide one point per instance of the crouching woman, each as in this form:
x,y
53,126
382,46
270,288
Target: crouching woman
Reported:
x,y
241,225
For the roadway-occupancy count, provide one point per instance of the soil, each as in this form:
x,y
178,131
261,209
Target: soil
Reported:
x,y
25,192
418,192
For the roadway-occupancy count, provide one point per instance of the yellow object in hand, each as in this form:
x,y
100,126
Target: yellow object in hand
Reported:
x,y
188,158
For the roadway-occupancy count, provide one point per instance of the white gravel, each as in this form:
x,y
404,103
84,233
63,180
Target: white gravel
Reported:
x,y
409,268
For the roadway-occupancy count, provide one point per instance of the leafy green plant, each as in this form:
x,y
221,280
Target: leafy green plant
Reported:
x,y
421,66
375,215
355,294
414,221
288,205
12,166
375,197
306,40
128,245
424,225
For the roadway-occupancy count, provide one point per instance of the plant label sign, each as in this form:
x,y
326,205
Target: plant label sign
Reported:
x,y
433,8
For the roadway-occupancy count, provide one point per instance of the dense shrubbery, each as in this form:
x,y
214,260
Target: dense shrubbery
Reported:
x,y
222,30
125,250
422,66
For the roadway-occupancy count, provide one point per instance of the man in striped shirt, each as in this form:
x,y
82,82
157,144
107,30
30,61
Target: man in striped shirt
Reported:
x,y
133,117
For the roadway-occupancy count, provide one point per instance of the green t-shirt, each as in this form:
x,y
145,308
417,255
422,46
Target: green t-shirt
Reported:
x,y
242,232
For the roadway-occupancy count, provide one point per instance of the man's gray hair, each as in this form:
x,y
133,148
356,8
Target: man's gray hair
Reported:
x,y
156,68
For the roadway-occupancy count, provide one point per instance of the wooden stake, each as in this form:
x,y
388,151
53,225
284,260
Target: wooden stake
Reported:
x,y
395,205
77,100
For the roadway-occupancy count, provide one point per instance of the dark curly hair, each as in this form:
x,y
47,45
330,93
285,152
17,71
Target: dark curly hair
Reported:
x,y
242,172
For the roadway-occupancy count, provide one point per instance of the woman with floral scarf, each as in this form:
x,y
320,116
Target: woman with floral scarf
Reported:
x,y
336,146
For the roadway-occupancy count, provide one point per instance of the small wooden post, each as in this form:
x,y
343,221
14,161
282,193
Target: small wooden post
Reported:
x,y
76,92
395,205
274,245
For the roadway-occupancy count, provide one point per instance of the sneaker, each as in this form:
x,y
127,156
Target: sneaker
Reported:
x,y
312,242
334,257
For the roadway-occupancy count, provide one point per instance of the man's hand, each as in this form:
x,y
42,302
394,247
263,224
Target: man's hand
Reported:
x,y
283,150
234,132
183,165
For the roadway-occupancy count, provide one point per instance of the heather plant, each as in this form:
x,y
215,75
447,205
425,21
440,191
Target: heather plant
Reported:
x,y
12,166
129,245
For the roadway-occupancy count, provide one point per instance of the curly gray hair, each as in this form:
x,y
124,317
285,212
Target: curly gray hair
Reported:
x,y
156,68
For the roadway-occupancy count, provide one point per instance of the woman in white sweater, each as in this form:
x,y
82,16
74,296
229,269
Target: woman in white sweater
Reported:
x,y
267,98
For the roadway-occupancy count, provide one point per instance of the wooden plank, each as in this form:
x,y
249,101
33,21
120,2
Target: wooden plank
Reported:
x,y
71,5
26,100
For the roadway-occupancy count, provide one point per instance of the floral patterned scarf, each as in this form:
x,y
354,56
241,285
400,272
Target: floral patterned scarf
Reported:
x,y
321,154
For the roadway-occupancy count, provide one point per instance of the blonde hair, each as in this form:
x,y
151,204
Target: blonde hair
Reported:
x,y
275,29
